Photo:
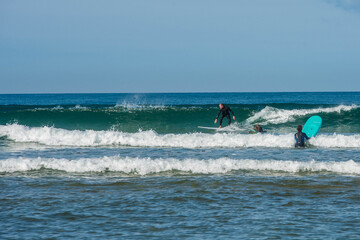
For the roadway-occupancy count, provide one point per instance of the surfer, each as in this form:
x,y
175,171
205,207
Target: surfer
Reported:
x,y
258,129
225,112
300,137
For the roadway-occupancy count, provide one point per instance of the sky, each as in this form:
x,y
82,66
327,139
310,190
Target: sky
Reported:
x,y
111,46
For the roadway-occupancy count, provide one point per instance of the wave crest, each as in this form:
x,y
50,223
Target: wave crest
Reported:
x,y
272,115
60,137
146,166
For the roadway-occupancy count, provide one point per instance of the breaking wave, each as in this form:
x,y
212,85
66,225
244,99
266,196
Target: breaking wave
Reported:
x,y
272,115
180,119
146,166
61,137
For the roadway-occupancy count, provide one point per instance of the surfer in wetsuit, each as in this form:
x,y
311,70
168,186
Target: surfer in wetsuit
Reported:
x,y
300,137
258,129
225,112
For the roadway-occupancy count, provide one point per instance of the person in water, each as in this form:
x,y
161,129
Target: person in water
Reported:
x,y
300,137
225,112
259,129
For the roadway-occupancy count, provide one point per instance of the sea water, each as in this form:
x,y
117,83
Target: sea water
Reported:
x,y
136,166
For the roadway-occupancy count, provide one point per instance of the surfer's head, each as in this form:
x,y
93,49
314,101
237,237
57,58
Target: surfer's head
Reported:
x,y
221,105
299,128
258,128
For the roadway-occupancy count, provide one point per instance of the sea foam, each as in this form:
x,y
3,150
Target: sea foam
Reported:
x,y
272,115
145,166
60,137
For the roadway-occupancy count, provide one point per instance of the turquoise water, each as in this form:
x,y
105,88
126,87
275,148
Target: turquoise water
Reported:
x,y
137,166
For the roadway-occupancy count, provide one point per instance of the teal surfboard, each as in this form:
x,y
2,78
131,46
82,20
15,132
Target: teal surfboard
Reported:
x,y
312,126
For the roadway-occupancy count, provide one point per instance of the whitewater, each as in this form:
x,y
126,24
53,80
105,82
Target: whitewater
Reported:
x,y
89,138
146,166
272,115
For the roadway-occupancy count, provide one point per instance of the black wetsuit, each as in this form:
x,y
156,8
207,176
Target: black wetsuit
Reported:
x,y
260,130
225,112
300,139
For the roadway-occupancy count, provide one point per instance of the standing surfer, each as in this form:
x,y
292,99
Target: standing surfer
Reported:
x,y
225,112
300,137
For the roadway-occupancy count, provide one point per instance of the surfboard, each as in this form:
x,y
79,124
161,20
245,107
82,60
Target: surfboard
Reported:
x,y
223,129
212,128
312,126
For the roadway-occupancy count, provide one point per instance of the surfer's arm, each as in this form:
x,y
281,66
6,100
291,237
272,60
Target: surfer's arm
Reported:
x,y
232,113
218,114
306,137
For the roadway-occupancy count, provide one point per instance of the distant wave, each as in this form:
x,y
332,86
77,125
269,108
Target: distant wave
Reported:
x,y
59,108
123,107
135,106
146,166
60,137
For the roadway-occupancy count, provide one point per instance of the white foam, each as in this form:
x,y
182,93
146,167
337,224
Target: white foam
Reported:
x,y
60,137
129,107
136,106
271,115
145,166
59,108
79,107
46,109
336,141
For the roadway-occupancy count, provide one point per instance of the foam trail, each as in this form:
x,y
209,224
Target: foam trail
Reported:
x,y
271,115
60,137
145,166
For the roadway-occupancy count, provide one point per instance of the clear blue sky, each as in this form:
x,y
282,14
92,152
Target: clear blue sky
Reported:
x,y
179,46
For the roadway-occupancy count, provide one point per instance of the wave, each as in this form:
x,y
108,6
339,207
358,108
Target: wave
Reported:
x,y
146,166
336,141
128,117
272,115
123,107
61,137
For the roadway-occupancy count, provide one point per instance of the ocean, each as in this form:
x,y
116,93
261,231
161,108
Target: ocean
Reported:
x,y
136,166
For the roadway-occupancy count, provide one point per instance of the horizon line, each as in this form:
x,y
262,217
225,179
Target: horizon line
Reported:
x,y
44,93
